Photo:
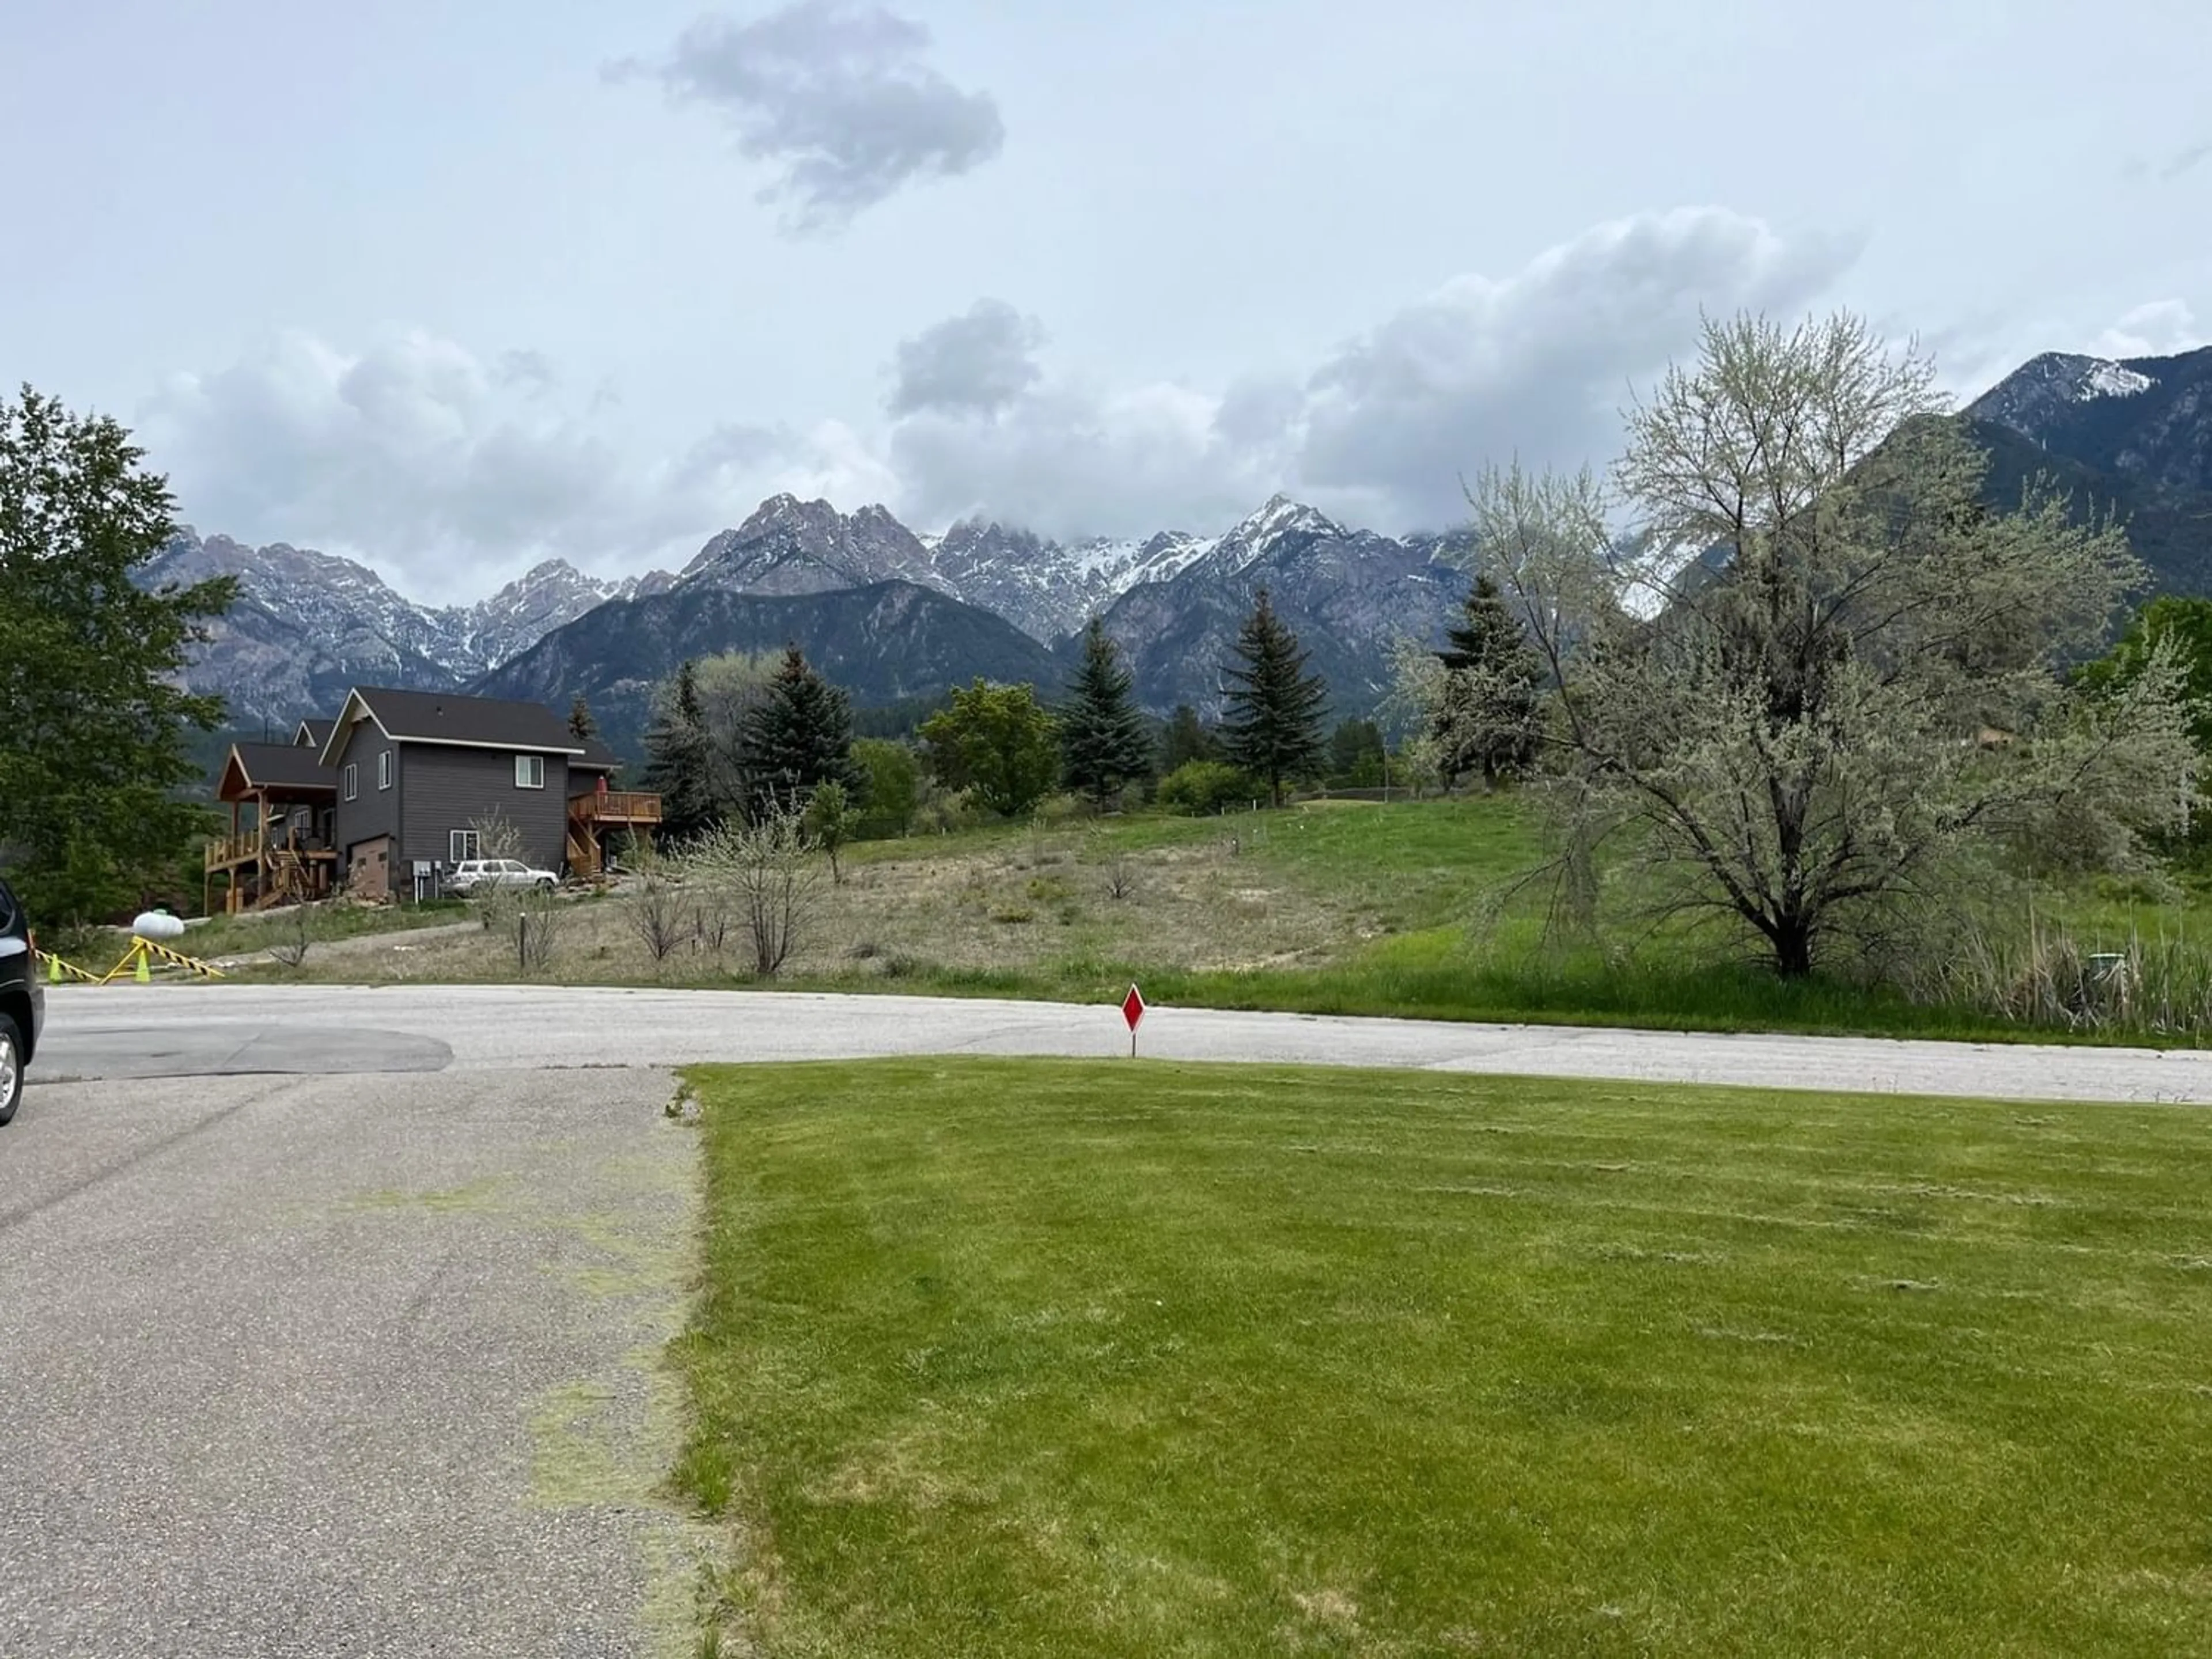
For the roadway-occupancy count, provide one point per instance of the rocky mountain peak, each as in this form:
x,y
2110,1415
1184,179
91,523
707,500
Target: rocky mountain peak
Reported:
x,y
1274,527
2046,389
791,546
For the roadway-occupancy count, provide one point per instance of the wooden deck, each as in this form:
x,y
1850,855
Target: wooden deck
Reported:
x,y
616,806
594,819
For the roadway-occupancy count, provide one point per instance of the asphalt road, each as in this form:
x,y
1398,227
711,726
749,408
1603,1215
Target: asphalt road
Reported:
x,y
328,1315
341,1366
164,1030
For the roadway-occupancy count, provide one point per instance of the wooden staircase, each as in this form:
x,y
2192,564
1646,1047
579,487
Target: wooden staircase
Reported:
x,y
285,880
583,852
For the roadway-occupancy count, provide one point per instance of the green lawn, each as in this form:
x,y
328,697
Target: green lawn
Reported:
x,y
1004,1358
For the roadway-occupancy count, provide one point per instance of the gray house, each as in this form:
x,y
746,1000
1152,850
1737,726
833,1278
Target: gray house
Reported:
x,y
418,772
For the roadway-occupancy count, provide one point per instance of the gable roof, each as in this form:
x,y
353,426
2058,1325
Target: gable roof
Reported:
x,y
273,765
447,717
314,733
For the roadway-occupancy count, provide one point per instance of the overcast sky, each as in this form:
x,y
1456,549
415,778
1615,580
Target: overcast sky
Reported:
x,y
455,288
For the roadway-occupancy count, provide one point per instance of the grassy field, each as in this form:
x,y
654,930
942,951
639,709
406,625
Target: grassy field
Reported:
x,y
1002,1358
1330,907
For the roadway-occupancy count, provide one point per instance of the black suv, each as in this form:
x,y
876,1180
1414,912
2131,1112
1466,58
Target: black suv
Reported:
x,y
23,1001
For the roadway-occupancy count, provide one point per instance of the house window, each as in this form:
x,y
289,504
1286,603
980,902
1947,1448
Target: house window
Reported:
x,y
383,769
463,845
352,781
530,771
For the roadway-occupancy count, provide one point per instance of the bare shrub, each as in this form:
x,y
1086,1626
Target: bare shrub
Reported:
x,y
497,836
1121,878
298,930
768,870
653,899
540,917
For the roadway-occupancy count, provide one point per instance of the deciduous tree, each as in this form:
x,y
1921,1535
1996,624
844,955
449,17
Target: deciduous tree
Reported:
x,y
998,741
1821,673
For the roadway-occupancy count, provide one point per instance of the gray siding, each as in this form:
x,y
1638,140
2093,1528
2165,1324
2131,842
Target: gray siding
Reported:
x,y
443,789
374,812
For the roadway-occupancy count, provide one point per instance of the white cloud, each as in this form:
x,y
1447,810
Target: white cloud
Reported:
x,y
2162,328
1537,364
448,471
837,96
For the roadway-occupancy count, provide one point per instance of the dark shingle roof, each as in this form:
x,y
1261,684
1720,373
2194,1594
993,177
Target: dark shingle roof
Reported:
x,y
318,733
445,717
282,766
596,757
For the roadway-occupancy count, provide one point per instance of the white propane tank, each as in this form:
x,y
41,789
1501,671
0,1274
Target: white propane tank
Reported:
x,y
157,924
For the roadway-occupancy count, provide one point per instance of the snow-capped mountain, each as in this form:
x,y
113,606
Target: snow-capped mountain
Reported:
x,y
905,614
1346,593
1050,589
306,625
2043,388
2132,437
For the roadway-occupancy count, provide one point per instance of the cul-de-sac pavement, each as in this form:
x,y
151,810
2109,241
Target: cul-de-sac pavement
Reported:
x,y
330,1317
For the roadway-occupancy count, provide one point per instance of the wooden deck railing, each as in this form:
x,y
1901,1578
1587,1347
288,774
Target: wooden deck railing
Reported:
x,y
225,850
248,845
616,806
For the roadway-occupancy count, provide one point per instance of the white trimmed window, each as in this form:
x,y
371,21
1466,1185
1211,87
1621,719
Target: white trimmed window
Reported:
x,y
530,771
352,781
383,769
463,845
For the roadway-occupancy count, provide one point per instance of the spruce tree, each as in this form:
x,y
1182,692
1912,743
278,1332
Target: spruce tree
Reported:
x,y
96,730
678,761
581,725
1185,740
1103,743
799,735
1493,690
1273,727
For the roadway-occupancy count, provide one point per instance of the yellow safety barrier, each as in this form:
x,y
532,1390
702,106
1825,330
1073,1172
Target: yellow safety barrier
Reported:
x,y
56,969
138,961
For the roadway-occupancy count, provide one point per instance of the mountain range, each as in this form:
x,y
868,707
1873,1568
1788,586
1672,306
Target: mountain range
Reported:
x,y
897,617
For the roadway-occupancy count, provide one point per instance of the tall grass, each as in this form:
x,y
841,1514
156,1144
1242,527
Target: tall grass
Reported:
x,y
2043,975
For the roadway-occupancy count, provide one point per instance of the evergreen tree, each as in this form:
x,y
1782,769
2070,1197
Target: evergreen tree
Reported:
x,y
96,728
581,725
799,735
1273,727
677,760
1186,740
1104,745
1356,754
1486,718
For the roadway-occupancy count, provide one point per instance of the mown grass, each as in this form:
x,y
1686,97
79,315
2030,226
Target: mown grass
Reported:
x,y
1005,1357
